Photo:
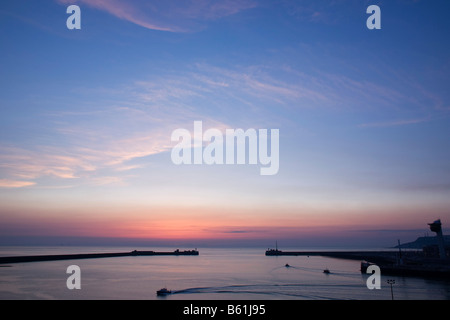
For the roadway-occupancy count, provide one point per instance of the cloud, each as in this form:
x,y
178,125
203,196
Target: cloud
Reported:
x,y
392,123
29,164
258,85
240,231
101,146
135,120
172,16
5,183
93,161
329,12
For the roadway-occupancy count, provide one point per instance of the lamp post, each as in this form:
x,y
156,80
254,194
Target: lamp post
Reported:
x,y
391,282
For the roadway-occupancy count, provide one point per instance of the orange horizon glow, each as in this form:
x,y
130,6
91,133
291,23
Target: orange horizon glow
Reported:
x,y
206,223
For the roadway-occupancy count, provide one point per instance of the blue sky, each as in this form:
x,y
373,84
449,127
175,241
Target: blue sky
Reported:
x,y
86,117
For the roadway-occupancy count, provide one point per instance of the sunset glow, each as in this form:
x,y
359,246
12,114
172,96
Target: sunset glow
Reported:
x,y
87,118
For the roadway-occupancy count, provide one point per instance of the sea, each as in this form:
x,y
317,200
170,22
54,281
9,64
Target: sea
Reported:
x,y
215,274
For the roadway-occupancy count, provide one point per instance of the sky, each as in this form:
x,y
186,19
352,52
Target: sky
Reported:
x,y
86,118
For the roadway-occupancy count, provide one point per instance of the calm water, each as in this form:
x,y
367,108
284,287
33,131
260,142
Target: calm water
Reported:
x,y
226,274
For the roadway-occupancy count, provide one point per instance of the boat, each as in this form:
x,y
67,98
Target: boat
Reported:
x,y
274,252
365,265
163,292
287,265
326,271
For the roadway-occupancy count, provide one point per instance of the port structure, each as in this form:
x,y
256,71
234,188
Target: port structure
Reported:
x,y
436,226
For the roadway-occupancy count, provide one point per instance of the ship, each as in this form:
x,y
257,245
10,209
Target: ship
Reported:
x,y
274,252
163,292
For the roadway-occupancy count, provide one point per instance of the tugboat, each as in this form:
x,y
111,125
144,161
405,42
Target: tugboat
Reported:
x,y
163,292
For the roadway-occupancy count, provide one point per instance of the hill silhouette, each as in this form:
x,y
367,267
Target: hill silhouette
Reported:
x,y
421,242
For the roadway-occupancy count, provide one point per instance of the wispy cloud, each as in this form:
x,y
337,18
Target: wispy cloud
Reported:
x,y
5,183
392,123
30,164
328,12
101,146
135,120
93,161
173,16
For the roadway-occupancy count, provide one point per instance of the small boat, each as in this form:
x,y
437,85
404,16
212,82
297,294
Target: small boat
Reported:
x,y
287,265
326,271
365,265
163,292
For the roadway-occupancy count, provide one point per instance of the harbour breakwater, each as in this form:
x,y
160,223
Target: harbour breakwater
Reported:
x,y
373,256
401,263
21,259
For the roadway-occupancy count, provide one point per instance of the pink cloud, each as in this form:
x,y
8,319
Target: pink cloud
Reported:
x,y
5,183
179,16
